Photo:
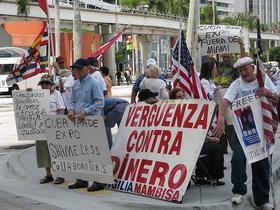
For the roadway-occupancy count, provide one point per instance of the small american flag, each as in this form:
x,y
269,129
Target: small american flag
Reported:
x,y
269,111
35,61
184,74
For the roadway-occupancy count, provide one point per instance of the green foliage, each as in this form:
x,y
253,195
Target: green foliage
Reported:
x,y
274,53
84,29
246,20
206,15
23,7
133,3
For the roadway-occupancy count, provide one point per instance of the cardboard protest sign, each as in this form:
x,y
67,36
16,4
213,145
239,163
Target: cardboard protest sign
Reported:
x,y
157,147
248,124
79,149
29,108
218,39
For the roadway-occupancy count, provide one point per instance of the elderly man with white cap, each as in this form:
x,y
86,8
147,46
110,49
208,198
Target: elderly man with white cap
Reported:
x,y
245,85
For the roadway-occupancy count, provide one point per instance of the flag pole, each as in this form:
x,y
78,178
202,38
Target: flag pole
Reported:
x,y
268,146
179,52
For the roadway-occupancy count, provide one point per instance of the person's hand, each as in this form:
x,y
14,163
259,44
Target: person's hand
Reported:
x,y
29,89
263,92
82,116
71,115
212,139
219,130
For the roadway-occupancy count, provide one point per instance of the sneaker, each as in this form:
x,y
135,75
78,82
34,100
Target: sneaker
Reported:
x,y
266,206
237,199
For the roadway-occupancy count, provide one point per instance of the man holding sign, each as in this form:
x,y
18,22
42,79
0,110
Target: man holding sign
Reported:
x,y
87,100
245,85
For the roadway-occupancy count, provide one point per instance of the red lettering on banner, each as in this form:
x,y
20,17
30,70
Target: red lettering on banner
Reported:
x,y
177,143
152,115
159,115
156,134
142,170
129,145
178,115
168,194
132,169
202,118
143,119
159,141
159,172
175,196
130,114
116,161
123,166
168,114
182,177
135,116
187,123
163,144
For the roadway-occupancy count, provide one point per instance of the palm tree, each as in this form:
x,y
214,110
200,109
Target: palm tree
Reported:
x,y
206,15
77,30
246,20
23,7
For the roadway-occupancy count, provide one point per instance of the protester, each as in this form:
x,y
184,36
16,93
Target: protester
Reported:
x,y
56,108
151,81
95,73
105,73
136,88
87,100
177,93
119,77
245,85
207,73
146,95
127,75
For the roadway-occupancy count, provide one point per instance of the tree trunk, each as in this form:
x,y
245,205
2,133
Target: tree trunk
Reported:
x,y
77,31
57,28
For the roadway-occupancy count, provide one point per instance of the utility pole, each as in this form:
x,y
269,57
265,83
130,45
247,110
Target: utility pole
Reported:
x,y
57,28
190,27
214,12
77,31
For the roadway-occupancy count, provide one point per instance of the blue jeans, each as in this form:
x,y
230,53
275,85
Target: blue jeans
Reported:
x,y
260,171
112,118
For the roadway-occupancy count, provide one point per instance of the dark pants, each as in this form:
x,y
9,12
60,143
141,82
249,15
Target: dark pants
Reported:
x,y
213,162
260,171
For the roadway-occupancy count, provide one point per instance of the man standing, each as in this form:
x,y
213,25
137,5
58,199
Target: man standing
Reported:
x,y
245,85
95,73
87,100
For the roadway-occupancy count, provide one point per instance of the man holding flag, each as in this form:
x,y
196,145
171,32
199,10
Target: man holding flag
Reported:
x,y
245,85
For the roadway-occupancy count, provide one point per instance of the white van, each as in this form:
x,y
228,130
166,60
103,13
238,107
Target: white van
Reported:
x,y
9,59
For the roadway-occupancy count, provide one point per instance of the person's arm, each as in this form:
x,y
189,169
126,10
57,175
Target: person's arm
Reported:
x,y
133,97
220,127
60,104
98,100
242,48
207,87
263,91
135,89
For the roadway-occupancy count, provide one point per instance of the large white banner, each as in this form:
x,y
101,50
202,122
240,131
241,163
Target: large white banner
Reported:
x,y
157,147
79,149
218,39
29,108
248,124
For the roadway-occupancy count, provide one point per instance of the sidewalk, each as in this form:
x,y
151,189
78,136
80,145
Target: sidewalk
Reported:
x,y
19,175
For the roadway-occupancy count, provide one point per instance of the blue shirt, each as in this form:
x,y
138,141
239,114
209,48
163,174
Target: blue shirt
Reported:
x,y
87,95
136,85
111,103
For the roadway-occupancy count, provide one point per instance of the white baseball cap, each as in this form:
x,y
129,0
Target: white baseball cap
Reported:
x,y
243,62
151,61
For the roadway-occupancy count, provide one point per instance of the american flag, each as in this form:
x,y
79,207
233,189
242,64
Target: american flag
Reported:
x,y
184,74
43,4
269,111
35,61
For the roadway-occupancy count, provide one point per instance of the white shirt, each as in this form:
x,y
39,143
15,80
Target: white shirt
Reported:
x,y
240,88
154,84
56,102
209,87
98,76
